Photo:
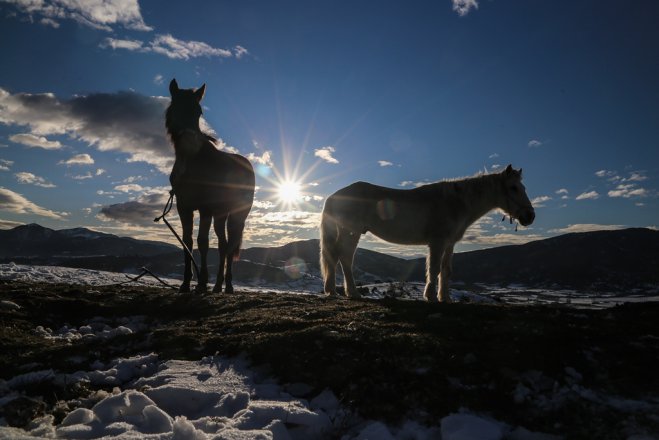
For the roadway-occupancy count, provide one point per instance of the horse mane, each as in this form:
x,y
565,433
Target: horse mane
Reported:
x,y
475,184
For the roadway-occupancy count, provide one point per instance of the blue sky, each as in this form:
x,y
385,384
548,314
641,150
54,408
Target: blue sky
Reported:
x,y
327,93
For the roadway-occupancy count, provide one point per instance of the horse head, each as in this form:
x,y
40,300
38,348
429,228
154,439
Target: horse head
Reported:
x,y
516,204
184,110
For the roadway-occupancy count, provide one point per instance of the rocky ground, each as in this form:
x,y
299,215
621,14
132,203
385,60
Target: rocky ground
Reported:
x,y
552,369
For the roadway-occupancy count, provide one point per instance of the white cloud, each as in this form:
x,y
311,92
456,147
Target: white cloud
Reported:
x,y
172,47
11,201
385,163
99,14
78,159
30,179
49,22
590,195
637,176
117,43
31,140
563,193
263,159
493,155
158,79
239,52
130,187
586,227
325,153
5,164
406,183
100,171
539,202
627,191
534,143
463,7
85,176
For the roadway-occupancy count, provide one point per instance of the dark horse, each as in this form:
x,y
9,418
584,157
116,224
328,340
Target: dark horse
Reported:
x,y
218,184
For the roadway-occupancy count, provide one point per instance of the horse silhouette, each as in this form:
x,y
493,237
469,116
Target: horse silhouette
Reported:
x,y
218,184
436,215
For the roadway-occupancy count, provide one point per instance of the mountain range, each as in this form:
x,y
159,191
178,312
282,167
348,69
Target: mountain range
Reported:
x,y
600,260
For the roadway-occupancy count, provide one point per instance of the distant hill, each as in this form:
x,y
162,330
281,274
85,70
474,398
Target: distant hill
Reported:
x,y
602,260
35,241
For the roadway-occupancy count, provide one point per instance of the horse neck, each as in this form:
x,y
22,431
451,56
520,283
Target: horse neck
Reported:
x,y
188,143
483,195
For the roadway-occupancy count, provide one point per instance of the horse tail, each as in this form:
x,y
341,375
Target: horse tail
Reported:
x,y
329,235
235,228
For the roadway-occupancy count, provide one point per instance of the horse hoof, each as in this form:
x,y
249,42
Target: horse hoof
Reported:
x,y
184,289
217,289
229,290
201,289
431,299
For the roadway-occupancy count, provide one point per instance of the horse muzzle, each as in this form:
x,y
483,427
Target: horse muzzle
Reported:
x,y
526,217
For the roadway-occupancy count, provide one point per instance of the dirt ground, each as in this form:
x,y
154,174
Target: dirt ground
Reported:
x,y
579,373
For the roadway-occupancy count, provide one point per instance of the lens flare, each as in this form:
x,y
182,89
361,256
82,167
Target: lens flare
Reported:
x,y
289,192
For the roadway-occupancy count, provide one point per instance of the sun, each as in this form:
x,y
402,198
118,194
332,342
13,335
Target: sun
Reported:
x,y
289,192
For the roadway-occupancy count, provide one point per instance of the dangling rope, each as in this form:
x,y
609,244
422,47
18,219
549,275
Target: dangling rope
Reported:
x,y
511,222
168,207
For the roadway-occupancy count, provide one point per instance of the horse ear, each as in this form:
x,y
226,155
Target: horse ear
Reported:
x,y
509,169
199,93
173,87
520,172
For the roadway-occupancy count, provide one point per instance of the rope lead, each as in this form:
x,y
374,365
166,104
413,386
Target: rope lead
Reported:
x,y
165,211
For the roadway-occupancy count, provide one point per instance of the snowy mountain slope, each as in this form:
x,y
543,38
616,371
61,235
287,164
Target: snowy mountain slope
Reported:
x,y
136,362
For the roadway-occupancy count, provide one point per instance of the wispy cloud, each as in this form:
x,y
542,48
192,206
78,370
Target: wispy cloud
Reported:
x,y
78,159
130,187
14,202
628,190
463,7
406,183
86,176
5,164
534,143
325,153
385,163
539,202
172,47
98,14
30,179
589,195
586,227
31,140
564,193
158,79
263,159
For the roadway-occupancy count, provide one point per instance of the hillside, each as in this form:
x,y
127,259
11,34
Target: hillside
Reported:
x,y
602,260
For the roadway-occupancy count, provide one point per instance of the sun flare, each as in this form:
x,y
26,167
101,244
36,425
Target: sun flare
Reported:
x,y
289,192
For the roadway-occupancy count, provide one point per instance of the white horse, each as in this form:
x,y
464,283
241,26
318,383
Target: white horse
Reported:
x,y
436,215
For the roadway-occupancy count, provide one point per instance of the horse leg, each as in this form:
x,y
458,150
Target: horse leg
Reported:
x,y
235,227
187,223
445,275
433,264
347,245
328,254
219,223
202,243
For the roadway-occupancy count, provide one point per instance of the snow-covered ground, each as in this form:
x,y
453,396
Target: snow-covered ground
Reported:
x,y
225,398
220,398
310,283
